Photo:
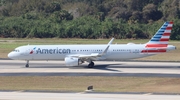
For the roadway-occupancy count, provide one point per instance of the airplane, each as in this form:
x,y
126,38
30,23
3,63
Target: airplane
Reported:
x,y
74,55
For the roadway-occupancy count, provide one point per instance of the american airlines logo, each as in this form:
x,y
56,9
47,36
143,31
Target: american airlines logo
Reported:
x,y
53,51
32,51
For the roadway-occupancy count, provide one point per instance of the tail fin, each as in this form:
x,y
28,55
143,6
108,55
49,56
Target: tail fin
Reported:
x,y
161,38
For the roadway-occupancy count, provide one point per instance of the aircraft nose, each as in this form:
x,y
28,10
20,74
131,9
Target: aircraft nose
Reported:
x,y
10,55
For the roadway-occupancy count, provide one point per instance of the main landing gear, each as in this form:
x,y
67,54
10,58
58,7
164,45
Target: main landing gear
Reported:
x,y
91,65
27,64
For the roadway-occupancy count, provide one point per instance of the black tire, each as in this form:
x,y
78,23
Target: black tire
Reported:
x,y
91,65
27,65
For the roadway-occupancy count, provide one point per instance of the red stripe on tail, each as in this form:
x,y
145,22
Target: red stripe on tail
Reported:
x,y
169,28
166,34
165,39
170,22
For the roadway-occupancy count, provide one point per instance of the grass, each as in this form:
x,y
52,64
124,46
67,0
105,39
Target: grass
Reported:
x,y
100,84
8,44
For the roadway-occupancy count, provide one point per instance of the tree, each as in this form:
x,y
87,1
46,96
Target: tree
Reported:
x,y
150,12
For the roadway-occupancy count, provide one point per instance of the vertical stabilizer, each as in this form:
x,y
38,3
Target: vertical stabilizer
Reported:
x,y
161,38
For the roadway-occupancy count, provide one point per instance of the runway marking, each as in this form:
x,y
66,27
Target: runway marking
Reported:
x,y
52,68
74,96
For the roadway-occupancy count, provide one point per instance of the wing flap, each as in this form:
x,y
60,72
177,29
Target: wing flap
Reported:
x,y
86,56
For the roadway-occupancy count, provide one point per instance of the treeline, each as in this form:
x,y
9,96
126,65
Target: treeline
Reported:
x,y
87,18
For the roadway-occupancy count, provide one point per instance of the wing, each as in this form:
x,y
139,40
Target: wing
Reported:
x,y
93,56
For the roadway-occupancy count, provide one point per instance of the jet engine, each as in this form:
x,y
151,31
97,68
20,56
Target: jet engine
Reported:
x,y
72,61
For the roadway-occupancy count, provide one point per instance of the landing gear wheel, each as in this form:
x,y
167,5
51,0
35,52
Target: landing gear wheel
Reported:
x,y
27,64
91,65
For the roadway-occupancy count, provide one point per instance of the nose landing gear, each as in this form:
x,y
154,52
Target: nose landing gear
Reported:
x,y
27,64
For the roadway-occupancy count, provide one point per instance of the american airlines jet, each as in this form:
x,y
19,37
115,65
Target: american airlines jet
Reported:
x,y
74,55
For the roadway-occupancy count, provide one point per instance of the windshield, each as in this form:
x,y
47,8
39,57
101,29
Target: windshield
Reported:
x,y
16,50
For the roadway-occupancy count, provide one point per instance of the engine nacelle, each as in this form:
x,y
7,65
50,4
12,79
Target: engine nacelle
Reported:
x,y
72,61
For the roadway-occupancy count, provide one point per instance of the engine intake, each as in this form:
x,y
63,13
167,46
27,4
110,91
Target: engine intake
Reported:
x,y
72,61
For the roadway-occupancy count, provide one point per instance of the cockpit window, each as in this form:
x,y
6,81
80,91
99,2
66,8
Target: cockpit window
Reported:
x,y
16,50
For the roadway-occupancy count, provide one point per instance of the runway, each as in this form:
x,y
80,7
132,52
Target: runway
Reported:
x,y
102,68
82,96
108,69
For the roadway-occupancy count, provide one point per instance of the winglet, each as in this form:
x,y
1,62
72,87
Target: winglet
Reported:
x,y
108,45
110,41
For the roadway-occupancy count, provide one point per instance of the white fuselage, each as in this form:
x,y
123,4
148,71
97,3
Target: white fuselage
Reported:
x,y
59,52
